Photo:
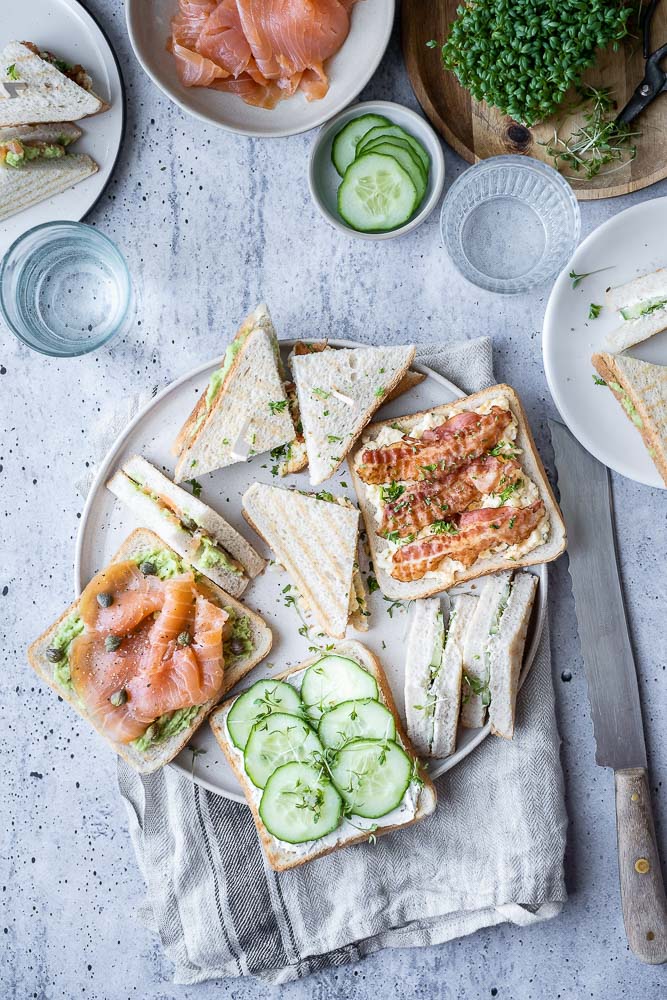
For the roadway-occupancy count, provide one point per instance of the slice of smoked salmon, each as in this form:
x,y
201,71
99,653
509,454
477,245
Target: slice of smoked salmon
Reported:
x,y
290,36
259,95
314,83
192,15
221,39
194,70
175,616
132,597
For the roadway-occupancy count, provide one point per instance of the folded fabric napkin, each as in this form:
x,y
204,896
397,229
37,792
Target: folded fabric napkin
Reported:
x,y
491,853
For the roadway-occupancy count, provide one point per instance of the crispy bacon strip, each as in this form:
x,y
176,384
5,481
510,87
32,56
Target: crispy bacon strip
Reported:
x,y
423,503
477,530
439,451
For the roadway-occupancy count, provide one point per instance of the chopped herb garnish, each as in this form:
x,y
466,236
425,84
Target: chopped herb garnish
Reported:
x,y
332,439
372,584
196,487
594,311
598,381
12,72
578,278
393,492
320,393
444,528
278,407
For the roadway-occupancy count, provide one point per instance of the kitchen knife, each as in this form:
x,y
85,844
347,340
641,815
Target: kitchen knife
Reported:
x,y
586,502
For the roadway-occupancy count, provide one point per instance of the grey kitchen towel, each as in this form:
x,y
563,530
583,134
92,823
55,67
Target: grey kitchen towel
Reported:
x,y
491,853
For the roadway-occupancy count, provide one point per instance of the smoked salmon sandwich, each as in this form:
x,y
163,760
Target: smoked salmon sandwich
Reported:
x,y
147,650
244,410
455,493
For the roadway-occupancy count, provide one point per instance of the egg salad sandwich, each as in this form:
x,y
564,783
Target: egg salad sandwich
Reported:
x,y
197,533
244,410
641,389
36,86
322,757
147,650
36,163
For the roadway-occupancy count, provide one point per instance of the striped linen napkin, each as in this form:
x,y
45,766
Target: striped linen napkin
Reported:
x,y
491,853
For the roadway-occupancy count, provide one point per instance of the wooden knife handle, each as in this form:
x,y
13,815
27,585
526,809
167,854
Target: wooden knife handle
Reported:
x,y
642,889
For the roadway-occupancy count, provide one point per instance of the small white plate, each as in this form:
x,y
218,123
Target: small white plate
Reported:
x,y
148,25
105,523
627,245
65,28
324,180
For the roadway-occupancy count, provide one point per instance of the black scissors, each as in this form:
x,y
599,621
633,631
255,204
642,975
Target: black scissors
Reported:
x,y
655,78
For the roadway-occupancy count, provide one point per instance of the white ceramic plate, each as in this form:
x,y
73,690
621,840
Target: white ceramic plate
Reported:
x,y
629,244
70,32
148,25
324,180
105,523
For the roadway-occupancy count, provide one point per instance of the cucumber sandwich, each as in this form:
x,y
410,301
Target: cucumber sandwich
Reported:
x,y
642,307
322,756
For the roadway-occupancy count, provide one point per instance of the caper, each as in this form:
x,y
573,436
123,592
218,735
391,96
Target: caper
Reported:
x,y
118,698
105,600
54,654
148,568
189,523
151,733
112,642
184,638
237,646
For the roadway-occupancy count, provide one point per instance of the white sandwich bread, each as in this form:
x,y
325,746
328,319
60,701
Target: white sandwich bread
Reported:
x,y
199,534
244,411
36,164
82,667
338,392
36,86
322,757
315,540
454,493
642,307
505,652
641,389
434,672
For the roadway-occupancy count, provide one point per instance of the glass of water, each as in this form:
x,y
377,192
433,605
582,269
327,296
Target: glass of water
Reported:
x,y
65,289
510,223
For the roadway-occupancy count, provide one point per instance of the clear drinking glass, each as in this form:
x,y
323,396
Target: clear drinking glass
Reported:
x,y
510,223
65,289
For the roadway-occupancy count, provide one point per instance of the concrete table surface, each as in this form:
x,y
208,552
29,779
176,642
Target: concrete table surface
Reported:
x,y
211,224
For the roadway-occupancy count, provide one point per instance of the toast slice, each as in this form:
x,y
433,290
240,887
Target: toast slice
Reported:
x,y
493,594
642,306
451,572
244,411
505,653
641,389
282,856
136,546
48,95
195,531
37,180
338,393
315,540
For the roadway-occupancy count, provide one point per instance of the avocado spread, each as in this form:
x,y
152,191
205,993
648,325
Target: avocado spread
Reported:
x,y
166,726
218,377
167,564
643,308
627,403
239,642
16,153
67,632
209,555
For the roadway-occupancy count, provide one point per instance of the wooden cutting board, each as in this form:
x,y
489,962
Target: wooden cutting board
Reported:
x,y
475,130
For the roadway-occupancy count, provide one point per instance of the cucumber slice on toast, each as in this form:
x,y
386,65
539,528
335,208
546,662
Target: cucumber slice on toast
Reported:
x,y
354,719
376,194
344,146
259,701
276,740
394,131
300,804
332,680
372,776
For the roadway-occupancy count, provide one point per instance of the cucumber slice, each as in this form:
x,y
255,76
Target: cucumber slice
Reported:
x,y
385,132
372,776
276,740
299,804
345,144
353,719
332,680
262,699
407,159
376,194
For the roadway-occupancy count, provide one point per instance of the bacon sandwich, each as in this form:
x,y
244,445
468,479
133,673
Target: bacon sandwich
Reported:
x,y
454,493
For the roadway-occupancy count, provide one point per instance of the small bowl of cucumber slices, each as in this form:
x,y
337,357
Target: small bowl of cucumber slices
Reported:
x,y
377,170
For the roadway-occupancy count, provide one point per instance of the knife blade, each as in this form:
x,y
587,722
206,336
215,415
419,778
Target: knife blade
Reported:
x,y
587,506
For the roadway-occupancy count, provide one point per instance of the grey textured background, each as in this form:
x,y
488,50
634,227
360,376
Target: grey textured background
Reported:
x,y
211,224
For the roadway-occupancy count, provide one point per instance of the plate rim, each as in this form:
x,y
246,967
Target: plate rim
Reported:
x,y
132,6
99,481
549,332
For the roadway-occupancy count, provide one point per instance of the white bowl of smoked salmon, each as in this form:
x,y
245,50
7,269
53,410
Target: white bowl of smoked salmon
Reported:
x,y
377,170
231,63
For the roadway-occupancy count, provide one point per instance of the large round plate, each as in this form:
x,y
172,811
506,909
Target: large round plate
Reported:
x,y
627,245
67,29
349,71
105,523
